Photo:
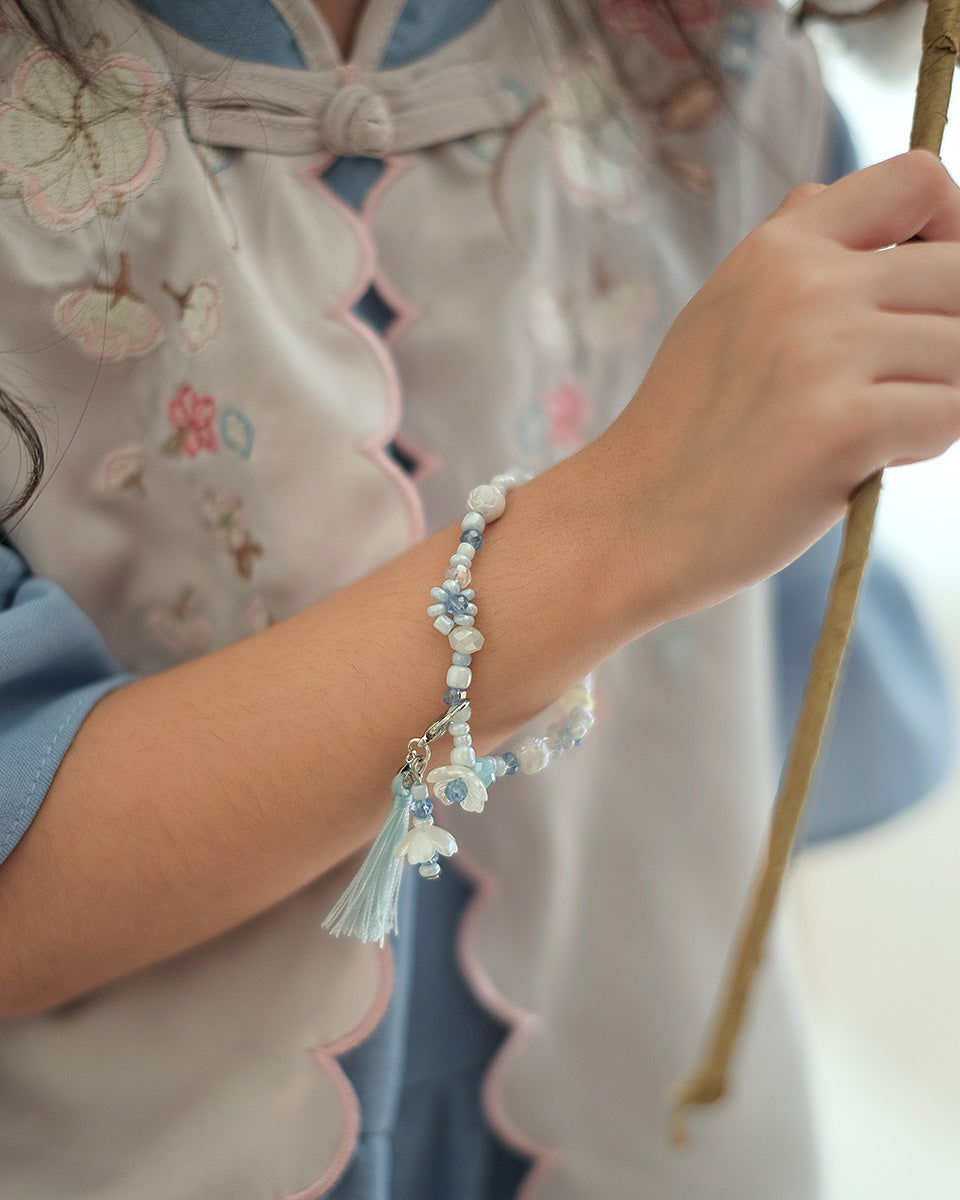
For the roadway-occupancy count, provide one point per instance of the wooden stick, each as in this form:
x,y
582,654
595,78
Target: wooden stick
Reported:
x,y
709,1080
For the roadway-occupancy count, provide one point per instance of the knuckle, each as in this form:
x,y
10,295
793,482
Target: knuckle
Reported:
x,y
799,194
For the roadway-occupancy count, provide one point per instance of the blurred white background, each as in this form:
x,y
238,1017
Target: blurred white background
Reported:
x,y
877,917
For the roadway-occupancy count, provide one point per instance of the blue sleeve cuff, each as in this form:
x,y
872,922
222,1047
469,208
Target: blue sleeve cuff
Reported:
x,y
891,736
54,666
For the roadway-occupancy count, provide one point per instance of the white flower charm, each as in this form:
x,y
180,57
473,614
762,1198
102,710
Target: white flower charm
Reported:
x,y
80,147
424,841
109,323
458,785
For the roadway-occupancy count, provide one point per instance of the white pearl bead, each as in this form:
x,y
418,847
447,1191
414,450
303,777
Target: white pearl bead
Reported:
x,y
444,623
463,756
466,550
465,639
459,727
459,677
487,500
463,739
473,520
460,560
511,479
532,755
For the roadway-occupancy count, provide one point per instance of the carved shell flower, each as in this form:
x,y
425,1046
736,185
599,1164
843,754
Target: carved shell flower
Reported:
x,y
80,146
423,842
458,785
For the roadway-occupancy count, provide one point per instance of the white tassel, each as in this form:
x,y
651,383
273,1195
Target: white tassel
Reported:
x,y
367,910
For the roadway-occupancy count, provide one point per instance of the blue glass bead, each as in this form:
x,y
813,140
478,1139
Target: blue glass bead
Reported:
x,y
486,770
457,603
421,808
456,791
513,763
453,696
472,537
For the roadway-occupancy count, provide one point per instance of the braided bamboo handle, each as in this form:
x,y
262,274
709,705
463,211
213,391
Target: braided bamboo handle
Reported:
x,y
708,1082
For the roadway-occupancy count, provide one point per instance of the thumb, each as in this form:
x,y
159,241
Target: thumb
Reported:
x,y
905,197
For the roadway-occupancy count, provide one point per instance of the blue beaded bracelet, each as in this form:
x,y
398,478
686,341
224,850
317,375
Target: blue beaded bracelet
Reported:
x,y
368,908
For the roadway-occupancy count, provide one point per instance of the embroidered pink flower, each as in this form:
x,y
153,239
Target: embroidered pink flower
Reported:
x,y
225,516
566,408
193,418
121,470
663,24
78,147
109,323
201,316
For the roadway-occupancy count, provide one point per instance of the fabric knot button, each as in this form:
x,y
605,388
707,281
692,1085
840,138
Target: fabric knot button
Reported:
x,y
358,121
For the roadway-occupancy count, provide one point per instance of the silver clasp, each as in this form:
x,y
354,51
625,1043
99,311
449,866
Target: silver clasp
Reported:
x,y
418,749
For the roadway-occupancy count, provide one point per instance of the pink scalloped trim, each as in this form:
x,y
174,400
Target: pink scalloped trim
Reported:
x,y
519,1021
369,274
326,1058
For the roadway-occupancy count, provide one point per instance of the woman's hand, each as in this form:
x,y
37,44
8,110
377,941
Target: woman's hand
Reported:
x,y
826,346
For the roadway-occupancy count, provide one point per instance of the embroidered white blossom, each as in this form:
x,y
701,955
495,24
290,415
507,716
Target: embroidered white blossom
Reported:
x,y
423,842
201,316
80,146
109,322
458,785
121,470
595,155
177,626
